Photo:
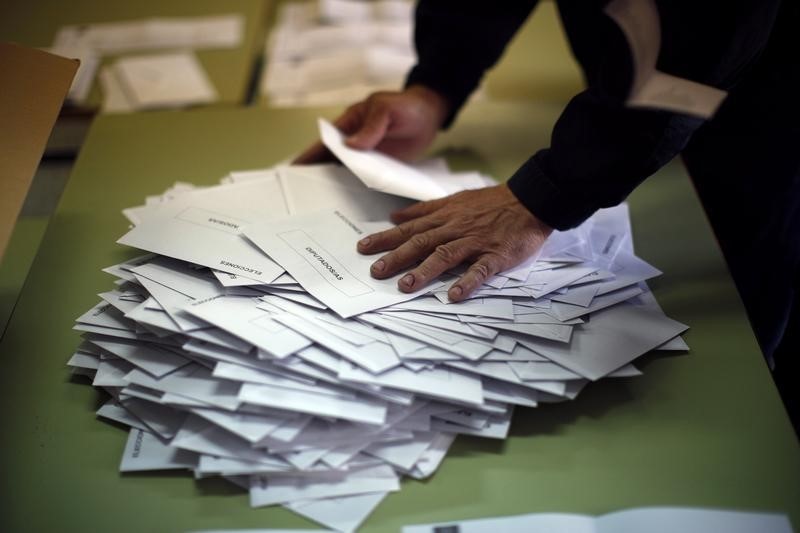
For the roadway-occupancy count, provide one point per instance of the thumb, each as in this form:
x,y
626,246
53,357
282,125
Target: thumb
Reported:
x,y
372,130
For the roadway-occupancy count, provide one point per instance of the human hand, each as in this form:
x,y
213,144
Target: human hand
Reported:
x,y
488,228
400,124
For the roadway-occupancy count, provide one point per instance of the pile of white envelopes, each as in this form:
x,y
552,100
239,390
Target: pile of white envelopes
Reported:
x,y
252,343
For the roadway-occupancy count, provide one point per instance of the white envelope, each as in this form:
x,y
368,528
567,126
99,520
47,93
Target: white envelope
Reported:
x,y
192,381
277,489
164,80
198,436
143,451
242,317
496,428
431,458
200,229
375,356
112,410
503,372
379,171
436,383
402,454
211,31
319,251
611,339
364,410
344,513
468,348
111,373
490,307
250,427
313,188
151,358
565,311
161,420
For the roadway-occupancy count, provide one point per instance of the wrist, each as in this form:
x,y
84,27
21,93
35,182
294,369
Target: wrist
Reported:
x,y
437,105
540,225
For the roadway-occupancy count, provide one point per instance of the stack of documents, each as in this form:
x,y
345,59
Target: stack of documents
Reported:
x,y
129,85
252,343
333,52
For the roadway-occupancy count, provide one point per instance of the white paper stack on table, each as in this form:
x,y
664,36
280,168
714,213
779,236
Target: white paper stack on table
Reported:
x,y
251,342
171,78
334,52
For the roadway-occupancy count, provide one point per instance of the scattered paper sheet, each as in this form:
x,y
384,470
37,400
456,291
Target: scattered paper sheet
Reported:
x,y
114,98
650,519
215,31
309,189
150,81
379,171
195,227
164,80
337,53
319,251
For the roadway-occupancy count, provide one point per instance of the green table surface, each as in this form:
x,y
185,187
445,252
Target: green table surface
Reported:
x,y
18,257
537,64
35,23
700,429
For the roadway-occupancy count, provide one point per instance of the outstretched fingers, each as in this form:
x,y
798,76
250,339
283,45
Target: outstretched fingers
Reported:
x,y
486,266
444,257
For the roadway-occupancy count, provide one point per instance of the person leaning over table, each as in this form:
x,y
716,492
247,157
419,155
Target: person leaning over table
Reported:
x,y
744,162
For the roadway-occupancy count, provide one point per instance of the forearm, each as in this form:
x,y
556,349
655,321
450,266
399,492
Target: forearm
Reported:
x,y
458,41
600,148
600,151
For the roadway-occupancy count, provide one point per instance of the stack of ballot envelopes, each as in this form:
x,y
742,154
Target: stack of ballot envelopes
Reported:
x,y
252,343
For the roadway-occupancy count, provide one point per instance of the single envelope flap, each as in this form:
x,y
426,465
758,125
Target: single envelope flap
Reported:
x,y
33,85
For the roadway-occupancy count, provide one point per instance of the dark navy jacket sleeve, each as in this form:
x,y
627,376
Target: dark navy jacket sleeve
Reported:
x,y
457,41
600,150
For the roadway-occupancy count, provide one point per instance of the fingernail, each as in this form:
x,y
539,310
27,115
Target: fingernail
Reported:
x,y
455,292
407,280
378,266
365,241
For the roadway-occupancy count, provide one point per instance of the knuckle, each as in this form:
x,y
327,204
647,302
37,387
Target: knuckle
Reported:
x,y
425,272
421,241
462,220
446,253
481,270
405,231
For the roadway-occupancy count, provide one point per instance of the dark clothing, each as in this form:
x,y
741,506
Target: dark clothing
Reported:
x,y
745,162
600,150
